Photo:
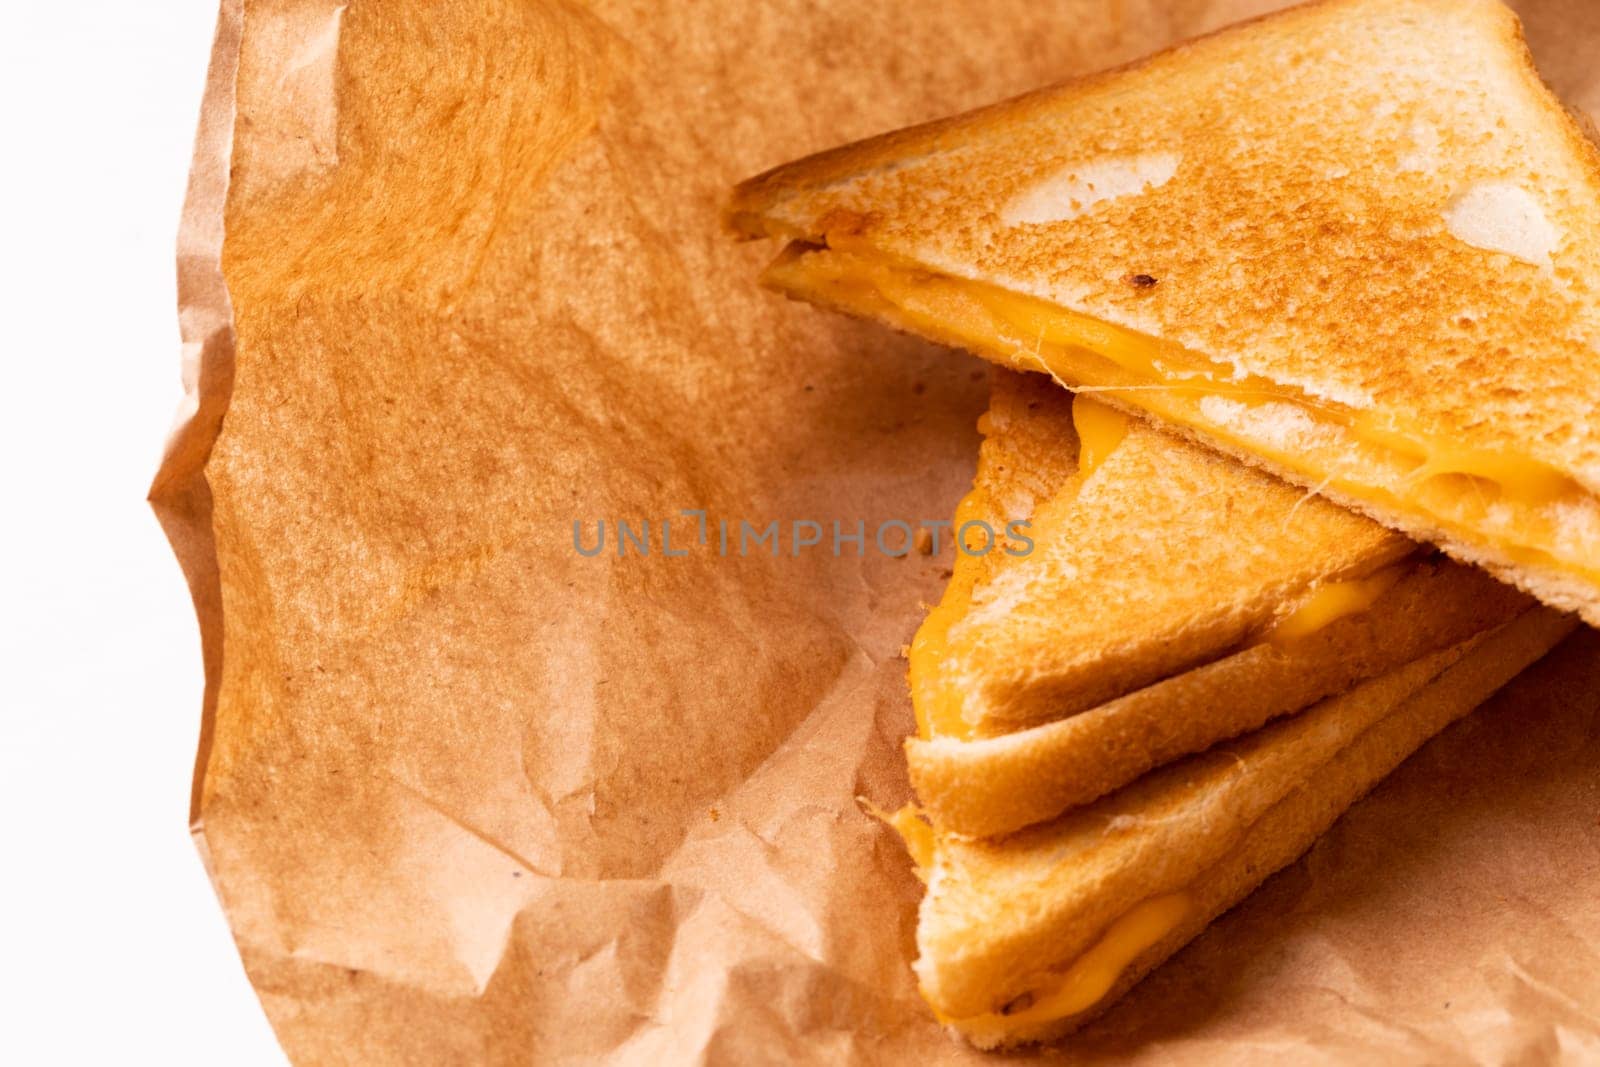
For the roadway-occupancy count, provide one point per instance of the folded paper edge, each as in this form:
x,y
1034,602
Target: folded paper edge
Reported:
x,y
179,493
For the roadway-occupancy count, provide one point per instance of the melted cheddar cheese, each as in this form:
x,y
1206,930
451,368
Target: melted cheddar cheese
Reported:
x,y
1092,975
1100,428
915,833
1334,600
1454,486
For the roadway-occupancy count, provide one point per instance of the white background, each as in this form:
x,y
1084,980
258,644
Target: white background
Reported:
x,y
112,946
114,949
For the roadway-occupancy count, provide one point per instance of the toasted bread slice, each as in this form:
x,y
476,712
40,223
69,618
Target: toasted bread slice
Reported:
x,y
1356,243
1148,621
1024,938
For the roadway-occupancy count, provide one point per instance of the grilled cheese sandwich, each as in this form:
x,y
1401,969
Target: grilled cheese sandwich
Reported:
x,y
1380,282
1025,938
1201,598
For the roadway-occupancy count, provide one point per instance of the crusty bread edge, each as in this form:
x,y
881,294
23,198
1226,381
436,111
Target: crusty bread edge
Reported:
x,y
975,788
752,203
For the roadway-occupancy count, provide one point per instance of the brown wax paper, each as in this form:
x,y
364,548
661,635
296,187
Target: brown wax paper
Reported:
x,y
452,279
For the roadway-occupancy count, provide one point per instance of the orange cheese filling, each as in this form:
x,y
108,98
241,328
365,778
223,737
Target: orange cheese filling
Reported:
x,y
915,833
1334,600
935,695
1092,975
1101,429
1451,484
1186,372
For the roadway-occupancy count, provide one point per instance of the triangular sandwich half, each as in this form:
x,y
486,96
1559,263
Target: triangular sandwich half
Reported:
x,y
1356,242
1171,598
1026,937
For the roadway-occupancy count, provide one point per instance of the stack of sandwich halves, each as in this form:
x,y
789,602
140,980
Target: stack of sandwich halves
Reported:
x,y
1326,290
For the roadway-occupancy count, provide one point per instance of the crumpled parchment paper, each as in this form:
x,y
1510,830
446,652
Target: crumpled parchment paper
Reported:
x,y
452,280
